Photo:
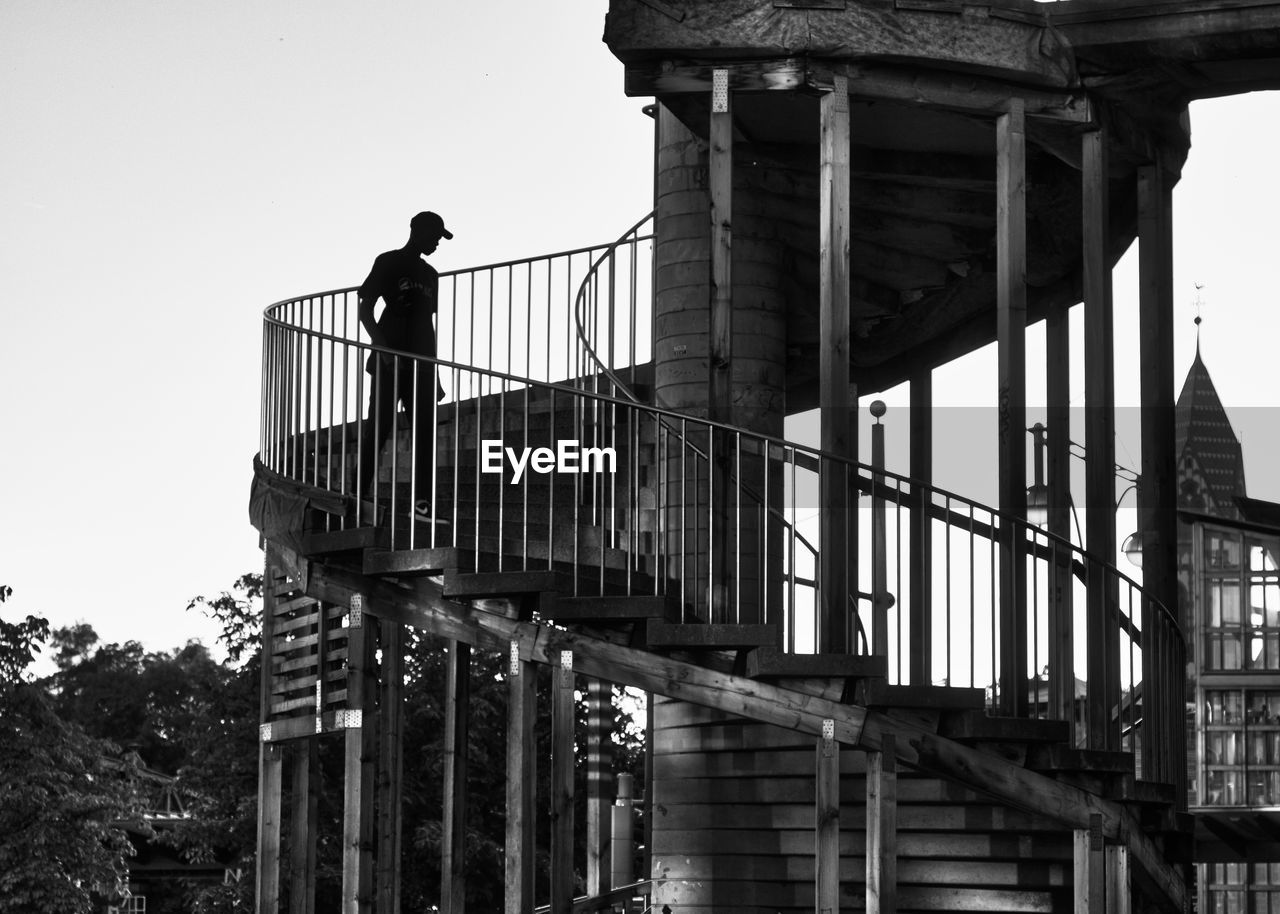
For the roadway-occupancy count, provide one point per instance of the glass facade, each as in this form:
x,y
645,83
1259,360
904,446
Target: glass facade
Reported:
x,y
1241,747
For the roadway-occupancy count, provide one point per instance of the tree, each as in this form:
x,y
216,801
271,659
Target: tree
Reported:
x,y
63,795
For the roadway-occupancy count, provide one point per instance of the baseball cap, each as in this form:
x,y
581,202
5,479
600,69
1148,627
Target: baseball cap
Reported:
x,y
429,221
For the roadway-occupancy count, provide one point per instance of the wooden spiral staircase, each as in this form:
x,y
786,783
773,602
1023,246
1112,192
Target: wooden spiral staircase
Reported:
x,y
780,778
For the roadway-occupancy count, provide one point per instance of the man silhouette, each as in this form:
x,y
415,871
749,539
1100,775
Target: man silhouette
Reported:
x,y
409,287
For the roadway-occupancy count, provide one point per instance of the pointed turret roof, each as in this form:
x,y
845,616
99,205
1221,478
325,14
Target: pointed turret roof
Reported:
x,y
1210,462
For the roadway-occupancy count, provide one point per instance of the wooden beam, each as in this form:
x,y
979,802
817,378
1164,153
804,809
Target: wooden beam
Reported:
x,y
1062,675
1099,386
562,765
304,795
827,826
1011,326
358,752
390,767
882,829
599,783
421,603
453,855
1157,493
837,407
920,570
522,682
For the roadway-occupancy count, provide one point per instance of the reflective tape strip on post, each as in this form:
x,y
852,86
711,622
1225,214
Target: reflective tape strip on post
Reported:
x,y
356,617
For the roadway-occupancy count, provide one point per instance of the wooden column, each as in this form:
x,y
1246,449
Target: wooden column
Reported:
x,y
720,346
453,857
1157,492
1011,325
599,783
358,784
562,786
1099,392
827,825
920,571
837,406
270,763
882,828
270,775
1089,869
304,796
1058,469
522,782
720,179
390,766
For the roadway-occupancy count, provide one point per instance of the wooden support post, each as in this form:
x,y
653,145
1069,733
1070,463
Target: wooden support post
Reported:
x,y
304,796
827,815
357,807
720,345
1119,895
1011,326
1062,676
390,767
270,775
270,772
720,179
599,783
882,829
837,407
1089,868
522,782
562,786
879,543
920,571
453,856
1157,493
1099,392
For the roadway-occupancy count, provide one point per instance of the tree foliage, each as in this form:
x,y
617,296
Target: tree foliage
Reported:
x,y
66,797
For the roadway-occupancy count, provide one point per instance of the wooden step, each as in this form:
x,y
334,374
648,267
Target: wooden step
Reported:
x,y
355,539
976,727
876,694
770,663
703,636
1052,758
505,583
610,609
410,561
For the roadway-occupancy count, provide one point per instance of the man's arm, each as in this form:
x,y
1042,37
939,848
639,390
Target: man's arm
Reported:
x,y
365,311
368,297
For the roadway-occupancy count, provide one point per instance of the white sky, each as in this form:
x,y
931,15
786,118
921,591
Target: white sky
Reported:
x,y
169,168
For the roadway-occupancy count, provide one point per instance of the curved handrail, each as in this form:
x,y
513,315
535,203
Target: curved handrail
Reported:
x,y
312,426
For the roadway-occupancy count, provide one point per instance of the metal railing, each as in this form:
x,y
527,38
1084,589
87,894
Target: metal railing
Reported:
x,y
721,521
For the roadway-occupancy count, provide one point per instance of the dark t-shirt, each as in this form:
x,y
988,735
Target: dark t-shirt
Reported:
x,y
409,286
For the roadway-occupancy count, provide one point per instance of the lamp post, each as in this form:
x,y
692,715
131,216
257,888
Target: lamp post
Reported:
x,y
1038,493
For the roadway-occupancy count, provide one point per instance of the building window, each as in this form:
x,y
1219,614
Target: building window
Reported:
x,y
1242,602
1225,883
1242,748
1228,883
